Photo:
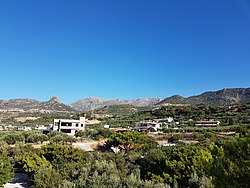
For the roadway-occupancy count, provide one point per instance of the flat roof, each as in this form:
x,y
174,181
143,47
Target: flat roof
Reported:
x,y
67,120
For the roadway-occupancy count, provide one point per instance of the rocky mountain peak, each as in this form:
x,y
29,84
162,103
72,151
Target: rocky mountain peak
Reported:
x,y
54,99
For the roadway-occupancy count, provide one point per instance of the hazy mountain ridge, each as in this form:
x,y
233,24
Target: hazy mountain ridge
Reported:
x,y
17,104
54,105
92,103
30,105
221,97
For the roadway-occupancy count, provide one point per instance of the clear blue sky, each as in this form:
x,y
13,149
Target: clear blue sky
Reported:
x,y
122,48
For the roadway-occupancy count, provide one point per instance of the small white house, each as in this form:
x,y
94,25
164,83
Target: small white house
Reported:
x,y
106,126
170,119
145,125
69,126
24,128
207,123
40,127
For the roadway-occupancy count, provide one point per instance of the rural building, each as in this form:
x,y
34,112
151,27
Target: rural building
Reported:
x,y
207,123
146,125
24,128
69,126
40,127
119,129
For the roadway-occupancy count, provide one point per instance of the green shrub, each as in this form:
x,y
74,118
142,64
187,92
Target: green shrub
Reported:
x,y
35,138
80,133
26,134
13,138
54,133
5,169
47,177
57,139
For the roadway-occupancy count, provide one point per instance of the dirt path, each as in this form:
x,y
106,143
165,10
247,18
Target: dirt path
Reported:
x,y
20,180
87,146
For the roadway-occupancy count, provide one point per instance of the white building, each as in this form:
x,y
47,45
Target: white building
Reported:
x,y
23,128
207,123
69,126
40,127
145,125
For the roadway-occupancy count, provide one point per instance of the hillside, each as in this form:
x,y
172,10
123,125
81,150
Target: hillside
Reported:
x,y
120,109
92,103
54,105
221,97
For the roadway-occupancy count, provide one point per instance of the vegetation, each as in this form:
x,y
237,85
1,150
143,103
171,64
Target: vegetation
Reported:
x,y
221,97
13,138
133,159
186,116
6,173
95,134
35,138
223,163
140,163
131,141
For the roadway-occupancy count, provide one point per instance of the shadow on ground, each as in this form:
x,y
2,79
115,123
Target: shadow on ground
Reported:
x,y
20,180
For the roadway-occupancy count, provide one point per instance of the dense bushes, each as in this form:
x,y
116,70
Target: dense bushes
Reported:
x,y
130,141
186,166
95,134
27,137
6,173
35,138
13,138
60,138
175,165
140,163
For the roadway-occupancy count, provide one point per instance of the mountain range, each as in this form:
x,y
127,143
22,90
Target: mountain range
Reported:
x,y
92,103
54,105
221,97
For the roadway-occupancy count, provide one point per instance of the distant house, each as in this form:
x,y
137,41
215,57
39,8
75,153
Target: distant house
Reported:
x,y
24,128
119,129
170,119
146,125
40,127
69,126
106,126
207,123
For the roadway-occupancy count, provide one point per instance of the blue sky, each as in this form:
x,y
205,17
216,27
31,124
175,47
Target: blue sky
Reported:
x,y
122,49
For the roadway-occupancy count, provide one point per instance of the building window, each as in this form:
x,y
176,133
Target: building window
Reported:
x,y
76,124
81,125
66,124
66,130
